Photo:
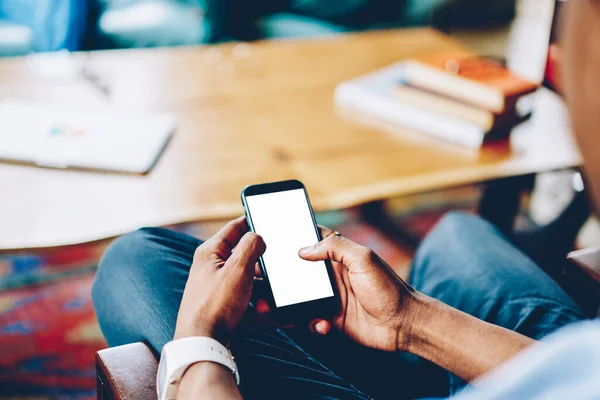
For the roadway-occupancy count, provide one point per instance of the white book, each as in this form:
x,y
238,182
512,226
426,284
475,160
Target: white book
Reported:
x,y
60,136
373,95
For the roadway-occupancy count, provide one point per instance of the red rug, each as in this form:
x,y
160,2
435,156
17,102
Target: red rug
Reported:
x,y
48,337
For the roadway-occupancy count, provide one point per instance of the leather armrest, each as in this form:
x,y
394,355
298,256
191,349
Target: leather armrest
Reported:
x,y
588,260
126,372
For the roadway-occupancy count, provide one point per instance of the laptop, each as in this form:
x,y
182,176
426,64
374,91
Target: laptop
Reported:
x,y
56,136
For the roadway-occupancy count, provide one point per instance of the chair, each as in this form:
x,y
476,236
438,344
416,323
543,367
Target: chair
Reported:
x,y
129,372
126,373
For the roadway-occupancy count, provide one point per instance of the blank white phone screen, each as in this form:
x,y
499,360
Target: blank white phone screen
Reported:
x,y
284,221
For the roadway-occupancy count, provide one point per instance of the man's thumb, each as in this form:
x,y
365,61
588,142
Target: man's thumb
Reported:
x,y
334,248
243,259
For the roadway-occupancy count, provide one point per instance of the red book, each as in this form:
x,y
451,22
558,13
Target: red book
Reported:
x,y
482,82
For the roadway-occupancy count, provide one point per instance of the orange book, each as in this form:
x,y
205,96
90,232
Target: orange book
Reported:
x,y
479,81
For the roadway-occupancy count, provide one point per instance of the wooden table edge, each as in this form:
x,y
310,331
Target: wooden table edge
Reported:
x,y
347,199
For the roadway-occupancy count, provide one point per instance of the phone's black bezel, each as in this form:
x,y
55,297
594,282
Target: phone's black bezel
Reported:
x,y
320,308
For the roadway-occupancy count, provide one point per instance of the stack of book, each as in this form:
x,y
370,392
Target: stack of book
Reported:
x,y
460,99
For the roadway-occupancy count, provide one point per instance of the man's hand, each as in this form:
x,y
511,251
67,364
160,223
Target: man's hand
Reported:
x,y
380,310
219,286
377,307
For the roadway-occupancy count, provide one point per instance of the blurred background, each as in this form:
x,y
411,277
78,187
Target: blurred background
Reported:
x,y
28,26
48,330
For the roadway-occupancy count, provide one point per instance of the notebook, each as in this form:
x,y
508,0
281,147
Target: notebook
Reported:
x,y
71,137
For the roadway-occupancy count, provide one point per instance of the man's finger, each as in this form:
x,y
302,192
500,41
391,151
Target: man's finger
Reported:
x,y
325,231
257,271
339,249
320,326
262,307
232,232
243,260
226,239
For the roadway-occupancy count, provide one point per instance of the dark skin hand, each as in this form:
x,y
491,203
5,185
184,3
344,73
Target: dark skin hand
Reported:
x,y
378,310
214,301
369,320
219,286
375,320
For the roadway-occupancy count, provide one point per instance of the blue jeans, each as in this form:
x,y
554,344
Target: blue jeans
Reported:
x,y
464,262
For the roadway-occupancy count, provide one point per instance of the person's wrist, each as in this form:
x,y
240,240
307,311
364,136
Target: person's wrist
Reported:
x,y
202,330
201,376
420,309
181,333
207,369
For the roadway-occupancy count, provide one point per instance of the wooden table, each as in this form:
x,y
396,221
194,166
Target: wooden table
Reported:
x,y
248,113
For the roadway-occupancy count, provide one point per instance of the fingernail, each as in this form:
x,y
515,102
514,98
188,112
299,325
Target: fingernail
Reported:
x,y
321,327
306,250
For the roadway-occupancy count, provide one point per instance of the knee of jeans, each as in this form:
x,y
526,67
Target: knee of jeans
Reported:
x,y
451,237
116,262
448,230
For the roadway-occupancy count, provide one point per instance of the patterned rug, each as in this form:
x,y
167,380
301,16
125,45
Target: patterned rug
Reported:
x,y
48,330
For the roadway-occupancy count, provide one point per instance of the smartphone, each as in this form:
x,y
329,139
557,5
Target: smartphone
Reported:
x,y
280,212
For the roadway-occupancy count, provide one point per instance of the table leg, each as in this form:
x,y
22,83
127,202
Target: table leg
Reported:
x,y
499,204
500,201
